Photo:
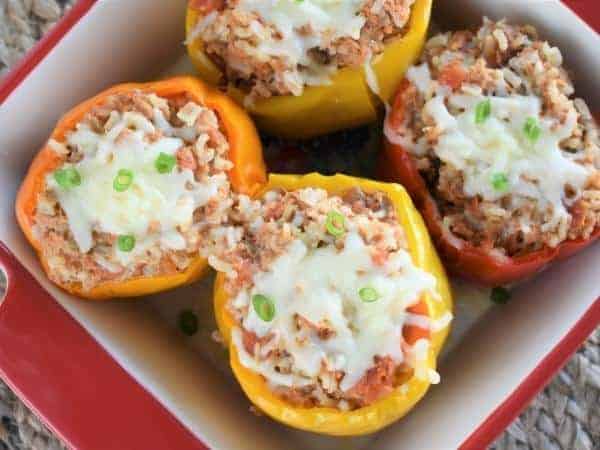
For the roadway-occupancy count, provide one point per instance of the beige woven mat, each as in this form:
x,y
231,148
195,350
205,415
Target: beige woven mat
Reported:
x,y
566,415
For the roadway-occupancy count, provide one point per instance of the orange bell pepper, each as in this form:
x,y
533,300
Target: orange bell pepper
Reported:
x,y
247,176
460,257
390,408
344,103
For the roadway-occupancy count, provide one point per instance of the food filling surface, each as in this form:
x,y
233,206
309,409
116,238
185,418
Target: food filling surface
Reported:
x,y
322,289
510,156
140,177
278,47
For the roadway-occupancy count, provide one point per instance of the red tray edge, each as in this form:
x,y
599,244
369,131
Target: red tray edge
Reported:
x,y
72,383
39,51
520,398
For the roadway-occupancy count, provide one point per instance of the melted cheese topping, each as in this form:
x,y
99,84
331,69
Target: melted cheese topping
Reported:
x,y
322,286
156,208
371,79
536,169
331,18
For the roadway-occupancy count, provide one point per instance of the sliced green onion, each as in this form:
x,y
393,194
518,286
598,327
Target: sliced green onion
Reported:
x,y
532,129
368,294
67,178
500,295
188,322
335,223
123,180
264,307
483,110
165,163
126,242
500,182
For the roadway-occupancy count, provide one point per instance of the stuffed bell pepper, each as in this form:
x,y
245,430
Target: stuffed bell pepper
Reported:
x,y
117,202
498,154
305,68
332,301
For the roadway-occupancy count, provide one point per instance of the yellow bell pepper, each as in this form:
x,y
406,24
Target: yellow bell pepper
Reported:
x,y
390,408
247,176
345,103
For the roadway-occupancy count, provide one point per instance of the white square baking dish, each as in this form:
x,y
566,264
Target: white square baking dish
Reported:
x,y
498,357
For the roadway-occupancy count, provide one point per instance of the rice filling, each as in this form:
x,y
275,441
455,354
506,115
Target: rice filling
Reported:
x,y
510,157
321,311
278,47
140,177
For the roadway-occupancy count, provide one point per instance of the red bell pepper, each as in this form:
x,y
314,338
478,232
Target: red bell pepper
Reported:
x,y
462,258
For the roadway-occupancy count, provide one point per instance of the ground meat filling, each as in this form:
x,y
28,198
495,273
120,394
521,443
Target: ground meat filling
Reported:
x,y
254,251
258,231
161,166
499,63
268,58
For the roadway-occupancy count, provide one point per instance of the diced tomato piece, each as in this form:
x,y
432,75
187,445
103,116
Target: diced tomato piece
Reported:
x,y
377,382
206,6
413,333
453,75
186,159
249,339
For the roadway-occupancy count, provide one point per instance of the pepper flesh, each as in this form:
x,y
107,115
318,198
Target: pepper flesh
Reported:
x,y
460,257
392,407
344,103
247,176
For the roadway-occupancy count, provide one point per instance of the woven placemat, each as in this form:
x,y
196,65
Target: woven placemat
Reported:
x,y
565,416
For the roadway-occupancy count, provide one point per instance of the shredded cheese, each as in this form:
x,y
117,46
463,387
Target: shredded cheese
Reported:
x,y
371,78
156,208
322,286
333,18
499,146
